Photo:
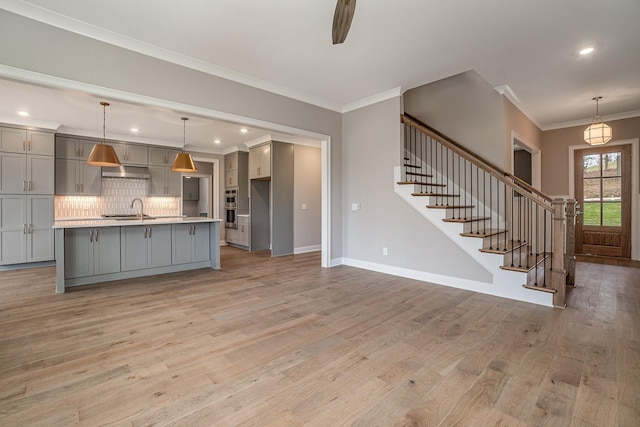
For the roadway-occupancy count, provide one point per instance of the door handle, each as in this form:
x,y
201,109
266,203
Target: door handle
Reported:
x,y
150,230
24,228
145,232
30,228
29,145
24,185
91,236
30,185
96,235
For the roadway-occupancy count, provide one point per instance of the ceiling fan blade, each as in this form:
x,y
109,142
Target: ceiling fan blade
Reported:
x,y
342,20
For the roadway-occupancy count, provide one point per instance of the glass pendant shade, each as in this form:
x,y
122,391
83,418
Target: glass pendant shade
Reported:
x,y
183,161
598,133
102,154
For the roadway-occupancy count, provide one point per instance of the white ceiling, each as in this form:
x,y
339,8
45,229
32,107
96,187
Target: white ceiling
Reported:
x,y
285,46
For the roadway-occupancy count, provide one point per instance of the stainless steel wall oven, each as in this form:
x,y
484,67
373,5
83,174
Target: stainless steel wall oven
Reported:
x,y
230,208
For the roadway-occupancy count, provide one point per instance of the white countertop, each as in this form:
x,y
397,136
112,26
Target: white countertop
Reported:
x,y
85,223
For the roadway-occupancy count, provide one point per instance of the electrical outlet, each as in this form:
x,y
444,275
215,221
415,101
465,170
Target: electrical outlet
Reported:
x,y
355,206
304,206
385,251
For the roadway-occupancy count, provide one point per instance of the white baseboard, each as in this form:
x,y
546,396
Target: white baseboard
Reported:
x,y
336,261
305,249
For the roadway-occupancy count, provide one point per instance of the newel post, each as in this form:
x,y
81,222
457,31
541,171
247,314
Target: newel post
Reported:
x,y
570,255
558,274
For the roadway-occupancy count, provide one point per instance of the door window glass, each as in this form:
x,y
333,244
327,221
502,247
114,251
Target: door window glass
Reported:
x,y
602,183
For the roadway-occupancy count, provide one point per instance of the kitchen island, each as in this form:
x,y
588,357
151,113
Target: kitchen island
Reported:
x,y
92,251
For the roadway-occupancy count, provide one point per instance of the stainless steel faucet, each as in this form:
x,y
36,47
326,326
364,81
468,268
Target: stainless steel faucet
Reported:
x,y
141,207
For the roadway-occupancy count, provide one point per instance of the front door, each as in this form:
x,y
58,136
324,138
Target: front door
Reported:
x,y
603,192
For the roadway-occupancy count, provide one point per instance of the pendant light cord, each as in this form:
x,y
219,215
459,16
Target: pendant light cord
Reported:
x,y
184,132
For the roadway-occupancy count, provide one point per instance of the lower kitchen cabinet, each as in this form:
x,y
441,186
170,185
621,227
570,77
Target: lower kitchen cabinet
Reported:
x,y
91,251
239,236
190,243
145,247
25,229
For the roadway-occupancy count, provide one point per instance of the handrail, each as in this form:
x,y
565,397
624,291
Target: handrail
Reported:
x,y
489,167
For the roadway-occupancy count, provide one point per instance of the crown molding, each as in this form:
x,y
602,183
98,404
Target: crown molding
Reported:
x,y
75,26
586,122
28,123
373,99
508,93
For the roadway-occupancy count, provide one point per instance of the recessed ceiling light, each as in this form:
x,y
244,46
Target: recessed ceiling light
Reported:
x,y
586,51
135,130
244,130
23,113
216,141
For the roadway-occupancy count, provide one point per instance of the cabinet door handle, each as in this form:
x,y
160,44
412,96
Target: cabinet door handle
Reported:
x,y
24,185
145,232
24,228
82,151
82,188
258,171
29,145
96,235
30,228
77,191
150,230
30,185
91,235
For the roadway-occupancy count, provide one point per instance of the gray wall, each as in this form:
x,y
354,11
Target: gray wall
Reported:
x,y
307,190
370,151
465,108
41,48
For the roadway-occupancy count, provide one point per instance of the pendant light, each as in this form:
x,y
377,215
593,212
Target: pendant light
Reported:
x,y
103,154
598,133
183,161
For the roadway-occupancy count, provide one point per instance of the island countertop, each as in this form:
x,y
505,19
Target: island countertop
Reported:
x,y
86,223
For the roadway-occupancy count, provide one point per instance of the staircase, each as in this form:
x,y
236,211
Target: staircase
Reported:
x,y
514,231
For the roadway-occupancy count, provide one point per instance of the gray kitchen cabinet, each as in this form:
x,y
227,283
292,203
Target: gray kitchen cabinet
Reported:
x,y
145,246
239,237
231,179
191,189
14,140
26,173
76,177
159,156
260,161
91,251
231,162
73,148
131,154
25,229
190,243
164,182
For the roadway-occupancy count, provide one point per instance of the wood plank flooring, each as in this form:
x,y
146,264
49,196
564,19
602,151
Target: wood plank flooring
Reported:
x,y
284,342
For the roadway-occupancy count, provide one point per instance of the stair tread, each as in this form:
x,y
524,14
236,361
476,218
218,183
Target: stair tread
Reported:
x,y
498,249
420,183
426,175
406,165
484,233
435,194
467,219
532,263
450,206
540,288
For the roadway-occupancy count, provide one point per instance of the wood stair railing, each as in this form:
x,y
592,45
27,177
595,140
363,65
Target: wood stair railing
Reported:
x,y
514,219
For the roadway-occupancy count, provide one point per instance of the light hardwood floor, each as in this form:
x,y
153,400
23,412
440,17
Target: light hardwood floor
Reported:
x,y
284,342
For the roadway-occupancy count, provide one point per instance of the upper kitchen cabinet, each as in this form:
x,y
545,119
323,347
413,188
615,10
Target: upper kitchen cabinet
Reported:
x,y
164,182
23,169
74,177
235,170
260,161
14,140
131,154
160,156
73,148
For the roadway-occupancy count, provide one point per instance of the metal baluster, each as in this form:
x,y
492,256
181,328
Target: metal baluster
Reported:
x,y
544,248
520,229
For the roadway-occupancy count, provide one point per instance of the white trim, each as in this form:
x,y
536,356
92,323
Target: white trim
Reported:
x,y
508,93
586,122
635,187
305,249
326,225
215,183
259,140
373,99
337,261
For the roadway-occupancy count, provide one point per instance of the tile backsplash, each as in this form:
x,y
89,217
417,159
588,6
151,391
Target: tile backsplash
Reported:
x,y
116,197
